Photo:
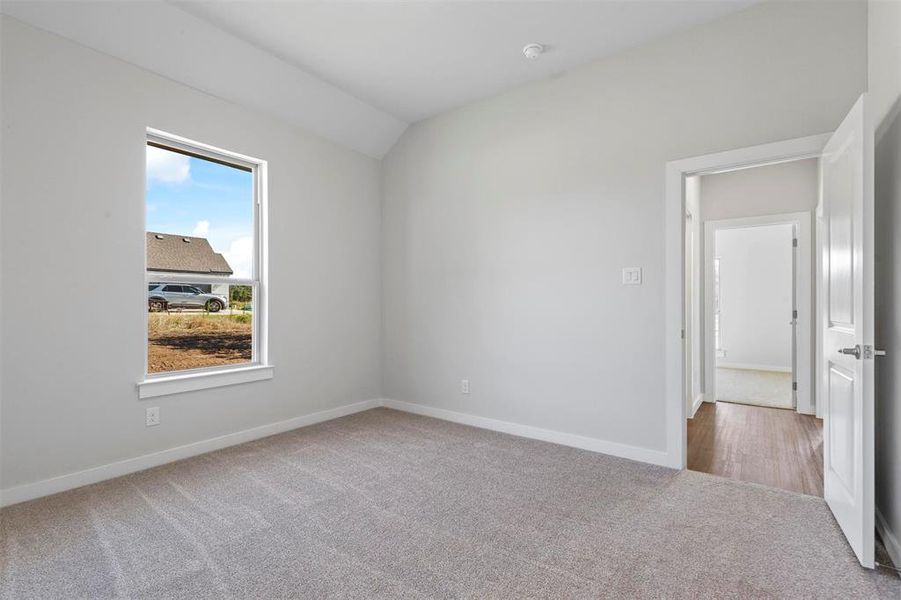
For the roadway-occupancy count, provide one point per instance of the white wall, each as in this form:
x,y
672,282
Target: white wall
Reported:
x,y
756,297
506,223
73,296
787,187
885,96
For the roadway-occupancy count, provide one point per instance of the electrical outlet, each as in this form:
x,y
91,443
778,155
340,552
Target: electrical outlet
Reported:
x,y
464,386
632,276
153,416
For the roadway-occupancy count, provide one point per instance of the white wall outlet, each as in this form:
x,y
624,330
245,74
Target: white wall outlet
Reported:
x,y
632,276
153,416
464,386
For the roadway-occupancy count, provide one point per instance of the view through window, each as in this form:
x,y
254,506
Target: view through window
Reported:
x,y
717,327
201,259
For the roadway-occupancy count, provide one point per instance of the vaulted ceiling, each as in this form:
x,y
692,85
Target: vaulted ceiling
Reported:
x,y
358,72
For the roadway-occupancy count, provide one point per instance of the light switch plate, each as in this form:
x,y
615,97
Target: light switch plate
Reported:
x,y
632,276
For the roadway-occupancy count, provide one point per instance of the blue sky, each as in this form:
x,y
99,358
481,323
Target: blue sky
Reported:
x,y
191,196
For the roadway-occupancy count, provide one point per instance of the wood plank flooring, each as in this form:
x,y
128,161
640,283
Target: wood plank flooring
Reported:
x,y
771,446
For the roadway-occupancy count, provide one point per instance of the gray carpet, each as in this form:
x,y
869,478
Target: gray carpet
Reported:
x,y
751,386
386,504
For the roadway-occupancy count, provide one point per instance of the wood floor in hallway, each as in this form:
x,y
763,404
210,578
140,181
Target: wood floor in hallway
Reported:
x,y
771,446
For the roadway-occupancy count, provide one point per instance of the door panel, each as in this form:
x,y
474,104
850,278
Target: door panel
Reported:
x,y
847,255
841,426
839,178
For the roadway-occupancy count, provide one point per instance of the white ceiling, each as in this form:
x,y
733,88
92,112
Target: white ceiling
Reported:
x,y
357,72
159,37
417,59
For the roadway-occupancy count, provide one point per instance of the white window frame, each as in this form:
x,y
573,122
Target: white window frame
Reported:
x,y
259,368
717,307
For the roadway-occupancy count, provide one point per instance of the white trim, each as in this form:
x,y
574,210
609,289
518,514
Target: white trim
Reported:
x,y
62,483
656,457
892,545
54,485
177,142
698,401
820,295
753,367
674,209
191,381
197,278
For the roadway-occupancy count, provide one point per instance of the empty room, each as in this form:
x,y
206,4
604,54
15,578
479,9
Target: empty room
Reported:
x,y
444,299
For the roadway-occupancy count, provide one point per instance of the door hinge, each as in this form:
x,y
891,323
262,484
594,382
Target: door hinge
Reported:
x,y
683,334
794,242
794,386
794,314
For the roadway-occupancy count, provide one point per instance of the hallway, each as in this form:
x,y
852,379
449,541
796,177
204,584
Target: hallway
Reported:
x,y
771,446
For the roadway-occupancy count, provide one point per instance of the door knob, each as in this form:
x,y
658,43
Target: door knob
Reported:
x,y
855,351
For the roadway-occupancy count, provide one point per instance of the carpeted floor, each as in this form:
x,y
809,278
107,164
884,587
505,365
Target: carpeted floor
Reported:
x,y
386,504
750,386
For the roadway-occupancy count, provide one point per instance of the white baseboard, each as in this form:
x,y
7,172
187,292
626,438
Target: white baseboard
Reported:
x,y
656,457
46,487
752,367
892,544
699,399
54,485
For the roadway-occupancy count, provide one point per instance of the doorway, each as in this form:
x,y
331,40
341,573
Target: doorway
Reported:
x,y
752,416
844,309
753,296
758,275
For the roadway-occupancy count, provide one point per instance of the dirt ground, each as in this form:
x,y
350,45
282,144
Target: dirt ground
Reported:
x,y
181,341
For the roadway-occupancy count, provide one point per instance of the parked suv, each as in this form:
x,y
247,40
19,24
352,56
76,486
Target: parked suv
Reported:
x,y
163,296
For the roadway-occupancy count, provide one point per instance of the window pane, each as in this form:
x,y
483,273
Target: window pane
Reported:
x,y
198,330
717,333
199,215
200,220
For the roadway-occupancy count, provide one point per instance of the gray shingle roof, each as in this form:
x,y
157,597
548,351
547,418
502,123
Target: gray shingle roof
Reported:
x,y
183,254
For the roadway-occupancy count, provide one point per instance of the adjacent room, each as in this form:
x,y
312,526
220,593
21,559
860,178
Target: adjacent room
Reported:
x,y
440,299
753,270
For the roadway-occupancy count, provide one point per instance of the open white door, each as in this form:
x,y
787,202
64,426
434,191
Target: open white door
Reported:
x,y
847,348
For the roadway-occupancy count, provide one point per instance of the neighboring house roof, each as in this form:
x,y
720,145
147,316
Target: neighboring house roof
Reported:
x,y
183,254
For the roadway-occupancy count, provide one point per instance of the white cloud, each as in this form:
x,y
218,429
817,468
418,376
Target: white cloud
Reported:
x,y
167,167
201,229
240,256
239,253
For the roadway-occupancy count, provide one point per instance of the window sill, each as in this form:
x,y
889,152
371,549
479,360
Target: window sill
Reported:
x,y
189,382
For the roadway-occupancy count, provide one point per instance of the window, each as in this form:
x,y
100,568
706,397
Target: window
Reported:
x,y
717,300
204,266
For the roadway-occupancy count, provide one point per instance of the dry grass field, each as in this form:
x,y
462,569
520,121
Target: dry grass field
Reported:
x,y
178,341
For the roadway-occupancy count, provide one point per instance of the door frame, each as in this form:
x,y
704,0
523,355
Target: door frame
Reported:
x,y
803,301
692,359
674,246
